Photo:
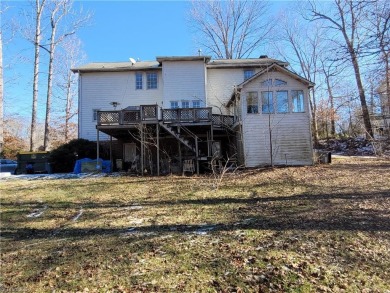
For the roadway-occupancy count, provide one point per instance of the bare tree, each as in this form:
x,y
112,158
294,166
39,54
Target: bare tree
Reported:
x,y
1,91
39,8
346,18
59,9
231,29
304,48
70,56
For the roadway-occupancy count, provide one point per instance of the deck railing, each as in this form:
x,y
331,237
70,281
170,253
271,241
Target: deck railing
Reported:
x,y
150,113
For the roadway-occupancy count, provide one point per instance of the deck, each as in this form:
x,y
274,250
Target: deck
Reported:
x,y
150,114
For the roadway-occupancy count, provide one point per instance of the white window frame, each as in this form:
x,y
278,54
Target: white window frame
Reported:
x,y
196,104
95,115
176,104
298,107
138,83
185,104
285,104
248,73
269,103
252,103
151,80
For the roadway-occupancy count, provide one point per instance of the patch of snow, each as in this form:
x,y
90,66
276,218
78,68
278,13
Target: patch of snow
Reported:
x,y
78,215
37,213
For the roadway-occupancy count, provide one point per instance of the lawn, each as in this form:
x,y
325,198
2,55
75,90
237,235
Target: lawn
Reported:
x,y
321,228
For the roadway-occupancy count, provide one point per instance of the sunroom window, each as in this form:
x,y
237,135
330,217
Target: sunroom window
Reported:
x,y
297,101
267,102
252,103
282,101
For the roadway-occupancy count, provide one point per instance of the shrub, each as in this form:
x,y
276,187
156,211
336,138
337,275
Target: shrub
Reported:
x,y
64,157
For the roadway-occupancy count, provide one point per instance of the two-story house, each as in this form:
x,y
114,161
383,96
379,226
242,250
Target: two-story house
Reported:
x,y
155,115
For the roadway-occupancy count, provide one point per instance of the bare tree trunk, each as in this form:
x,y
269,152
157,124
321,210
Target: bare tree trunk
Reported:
x,y
313,108
362,96
46,142
68,115
37,40
1,95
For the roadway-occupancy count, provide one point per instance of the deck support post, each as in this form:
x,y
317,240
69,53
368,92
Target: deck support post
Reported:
x,y
142,149
211,138
158,148
179,147
197,155
111,160
97,150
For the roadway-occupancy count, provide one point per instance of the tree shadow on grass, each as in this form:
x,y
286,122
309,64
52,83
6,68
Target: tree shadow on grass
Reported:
x,y
344,212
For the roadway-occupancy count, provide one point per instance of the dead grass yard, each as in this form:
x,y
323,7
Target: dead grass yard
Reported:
x,y
307,229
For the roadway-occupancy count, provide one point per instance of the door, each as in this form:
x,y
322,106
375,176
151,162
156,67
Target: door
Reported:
x,y
129,152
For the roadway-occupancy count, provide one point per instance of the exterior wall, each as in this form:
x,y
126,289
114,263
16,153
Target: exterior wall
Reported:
x,y
184,80
290,132
97,90
220,87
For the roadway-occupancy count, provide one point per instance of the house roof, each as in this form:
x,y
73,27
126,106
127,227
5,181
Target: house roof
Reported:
x,y
278,68
250,62
117,66
206,59
274,66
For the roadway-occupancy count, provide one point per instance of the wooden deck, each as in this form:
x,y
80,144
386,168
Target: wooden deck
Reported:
x,y
150,114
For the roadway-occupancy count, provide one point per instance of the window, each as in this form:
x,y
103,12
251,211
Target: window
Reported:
x,y
151,80
248,73
297,101
252,103
174,104
282,101
267,102
95,114
196,104
279,82
185,104
267,82
138,81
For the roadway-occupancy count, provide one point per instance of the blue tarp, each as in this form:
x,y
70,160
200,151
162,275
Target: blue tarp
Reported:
x,y
88,165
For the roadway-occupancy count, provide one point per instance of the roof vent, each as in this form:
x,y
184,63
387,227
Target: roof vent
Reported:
x,y
263,56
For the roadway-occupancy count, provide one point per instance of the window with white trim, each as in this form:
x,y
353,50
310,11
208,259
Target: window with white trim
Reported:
x,y
185,104
174,104
151,80
297,101
196,104
279,82
267,102
282,101
95,114
267,82
138,81
248,73
252,103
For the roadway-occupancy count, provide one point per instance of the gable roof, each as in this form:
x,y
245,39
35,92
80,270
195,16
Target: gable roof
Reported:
x,y
279,68
249,62
274,66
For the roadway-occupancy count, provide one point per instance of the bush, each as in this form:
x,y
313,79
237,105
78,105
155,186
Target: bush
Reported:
x,y
64,157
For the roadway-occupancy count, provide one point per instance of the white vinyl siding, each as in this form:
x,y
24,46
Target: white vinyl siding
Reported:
x,y
289,131
98,90
184,80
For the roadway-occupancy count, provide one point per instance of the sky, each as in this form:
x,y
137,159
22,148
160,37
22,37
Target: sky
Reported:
x,y
119,30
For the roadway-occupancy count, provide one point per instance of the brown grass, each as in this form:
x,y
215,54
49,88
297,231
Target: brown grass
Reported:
x,y
306,229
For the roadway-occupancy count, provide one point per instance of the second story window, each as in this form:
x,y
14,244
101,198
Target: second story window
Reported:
x,y
248,73
297,101
151,80
138,81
